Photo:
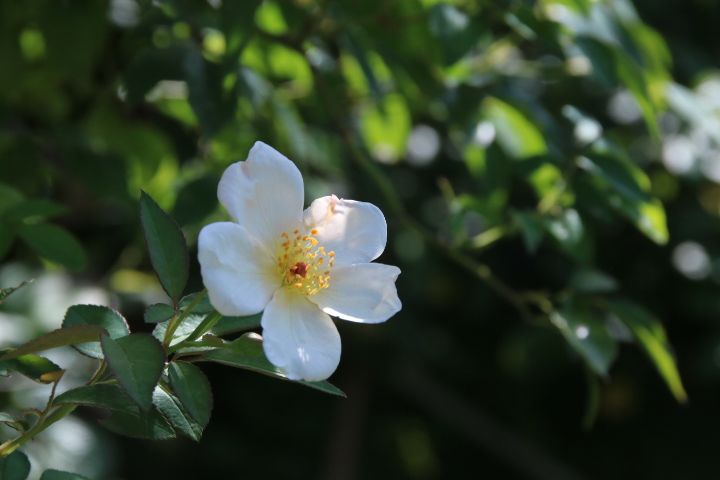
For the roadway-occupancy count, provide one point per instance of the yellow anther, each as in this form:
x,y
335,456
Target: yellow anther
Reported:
x,y
300,259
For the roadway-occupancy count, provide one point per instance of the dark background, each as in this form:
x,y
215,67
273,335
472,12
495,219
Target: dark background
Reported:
x,y
458,384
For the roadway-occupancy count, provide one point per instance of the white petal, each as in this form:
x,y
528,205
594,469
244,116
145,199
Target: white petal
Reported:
x,y
363,293
355,231
299,338
237,270
264,194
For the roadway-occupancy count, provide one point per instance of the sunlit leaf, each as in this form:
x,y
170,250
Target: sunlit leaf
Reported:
x,y
57,338
651,336
247,352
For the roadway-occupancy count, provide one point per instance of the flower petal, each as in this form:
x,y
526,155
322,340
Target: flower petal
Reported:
x,y
237,270
362,293
264,194
299,338
355,231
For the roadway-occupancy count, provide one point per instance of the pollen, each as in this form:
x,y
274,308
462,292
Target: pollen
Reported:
x,y
304,264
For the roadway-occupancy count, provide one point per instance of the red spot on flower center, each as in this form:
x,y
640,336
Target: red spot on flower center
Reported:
x,y
299,268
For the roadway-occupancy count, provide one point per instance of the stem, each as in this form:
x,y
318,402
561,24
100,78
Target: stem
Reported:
x,y
176,320
47,417
205,326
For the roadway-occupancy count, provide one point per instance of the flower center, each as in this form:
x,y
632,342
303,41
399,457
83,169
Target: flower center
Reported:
x,y
303,264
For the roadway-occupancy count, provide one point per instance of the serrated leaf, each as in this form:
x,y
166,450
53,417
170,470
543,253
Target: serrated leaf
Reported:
x,y
186,327
55,244
35,367
650,335
166,245
100,395
57,338
60,475
104,317
202,305
587,333
193,389
137,361
158,312
247,352
138,424
171,408
15,466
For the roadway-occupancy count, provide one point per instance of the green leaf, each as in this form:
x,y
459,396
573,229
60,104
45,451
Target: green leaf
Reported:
x,y
587,333
455,31
166,244
236,324
171,408
138,424
202,306
532,229
100,395
104,317
6,292
34,367
58,338
15,466
568,230
518,136
186,327
7,237
138,361
55,244
12,422
158,312
59,475
650,335
34,209
193,389
247,352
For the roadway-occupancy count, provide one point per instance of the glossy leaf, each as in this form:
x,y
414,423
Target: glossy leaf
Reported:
x,y
587,333
193,389
104,317
166,244
100,395
35,367
55,244
247,352
15,466
57,338
172,409
137,360
650,335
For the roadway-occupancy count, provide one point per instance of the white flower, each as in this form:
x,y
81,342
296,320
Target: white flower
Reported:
x,y
298,266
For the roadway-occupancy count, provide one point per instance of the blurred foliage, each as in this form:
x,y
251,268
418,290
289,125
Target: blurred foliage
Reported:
x,y
549,171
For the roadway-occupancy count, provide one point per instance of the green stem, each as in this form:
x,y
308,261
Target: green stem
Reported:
x,y
47,417
205,326
176,320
